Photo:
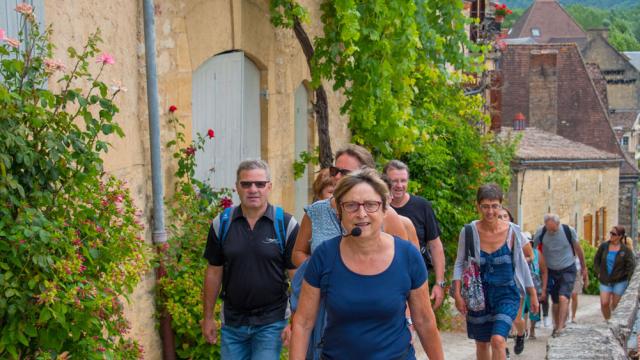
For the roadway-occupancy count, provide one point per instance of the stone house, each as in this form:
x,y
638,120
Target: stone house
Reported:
x,y
553,173
551,86
225,67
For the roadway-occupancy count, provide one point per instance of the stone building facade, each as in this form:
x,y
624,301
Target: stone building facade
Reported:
x,y
554,174
190,34
551,86
623,79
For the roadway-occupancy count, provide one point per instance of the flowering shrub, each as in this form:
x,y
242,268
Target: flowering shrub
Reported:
x,y
190,211
502,10
70,244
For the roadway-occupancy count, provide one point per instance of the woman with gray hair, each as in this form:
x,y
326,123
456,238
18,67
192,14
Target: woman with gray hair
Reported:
x,y
366,278
497,255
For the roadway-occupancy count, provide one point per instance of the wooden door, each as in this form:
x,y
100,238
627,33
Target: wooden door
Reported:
x,y
588,228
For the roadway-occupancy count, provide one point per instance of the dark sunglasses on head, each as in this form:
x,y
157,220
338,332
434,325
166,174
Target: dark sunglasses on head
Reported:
x,y
612,233
258,184
333,171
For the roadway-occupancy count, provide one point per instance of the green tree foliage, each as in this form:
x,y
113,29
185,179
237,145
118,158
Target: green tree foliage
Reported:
x,y
402,66
70,238
191,209
620,18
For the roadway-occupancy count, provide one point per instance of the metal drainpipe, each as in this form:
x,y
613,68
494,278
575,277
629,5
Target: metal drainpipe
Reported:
x,y
159,233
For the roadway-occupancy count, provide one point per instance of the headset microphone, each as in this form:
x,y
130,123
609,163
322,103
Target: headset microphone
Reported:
x,y
356,231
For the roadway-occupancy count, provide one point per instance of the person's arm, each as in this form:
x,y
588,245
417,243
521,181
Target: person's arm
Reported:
x,y
393,225
544,274
630,263
304,321
302,247
437,256
527,250
212,282
597,258
583,265
424,321
458,268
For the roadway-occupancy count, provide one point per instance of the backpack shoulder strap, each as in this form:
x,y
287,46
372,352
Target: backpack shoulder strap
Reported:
x,y
567,233
544,231
225,222
468,241
280,229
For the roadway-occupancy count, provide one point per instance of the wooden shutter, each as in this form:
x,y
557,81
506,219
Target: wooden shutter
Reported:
x,y
301,144
226,98
10,19
588,229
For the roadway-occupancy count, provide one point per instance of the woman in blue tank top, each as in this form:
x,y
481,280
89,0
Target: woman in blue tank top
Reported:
x,y
366,280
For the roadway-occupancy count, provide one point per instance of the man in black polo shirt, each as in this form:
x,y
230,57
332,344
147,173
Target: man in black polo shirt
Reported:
x,y
419,210
249,262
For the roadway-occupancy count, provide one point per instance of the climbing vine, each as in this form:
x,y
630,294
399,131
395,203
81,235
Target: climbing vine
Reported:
x,y
403,66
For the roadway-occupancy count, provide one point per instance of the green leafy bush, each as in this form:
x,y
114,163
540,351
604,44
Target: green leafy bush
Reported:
x,y
589,255
70,241
191,209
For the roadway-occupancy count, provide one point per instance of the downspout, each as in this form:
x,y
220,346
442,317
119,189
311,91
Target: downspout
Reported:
x,y
159,233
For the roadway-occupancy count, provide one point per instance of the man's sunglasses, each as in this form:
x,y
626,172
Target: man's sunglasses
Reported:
x,y
258,184
333,171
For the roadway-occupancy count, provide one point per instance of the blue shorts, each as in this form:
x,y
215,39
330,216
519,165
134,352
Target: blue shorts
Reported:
x,y
616,288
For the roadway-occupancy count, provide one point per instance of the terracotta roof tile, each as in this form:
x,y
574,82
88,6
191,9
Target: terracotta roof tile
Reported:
x,y
536,144
552,21
624,118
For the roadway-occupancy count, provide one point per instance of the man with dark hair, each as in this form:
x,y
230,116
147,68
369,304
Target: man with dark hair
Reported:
x,y
419,210
249,252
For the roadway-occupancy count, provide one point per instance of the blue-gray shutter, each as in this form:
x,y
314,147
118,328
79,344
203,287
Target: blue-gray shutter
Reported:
x,y
10,19
301,144
226,98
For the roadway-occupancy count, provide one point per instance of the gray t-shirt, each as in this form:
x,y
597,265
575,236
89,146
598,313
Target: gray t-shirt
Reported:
x,y
556,249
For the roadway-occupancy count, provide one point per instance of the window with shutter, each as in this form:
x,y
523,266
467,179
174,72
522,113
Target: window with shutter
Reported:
x,y
10,19
226,98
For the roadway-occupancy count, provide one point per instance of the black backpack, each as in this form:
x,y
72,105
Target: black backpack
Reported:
x,y
567,234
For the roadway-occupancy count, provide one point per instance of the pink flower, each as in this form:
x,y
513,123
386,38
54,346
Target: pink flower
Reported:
x,y
12,42
210,134
3,35
24,9
172,108
105,59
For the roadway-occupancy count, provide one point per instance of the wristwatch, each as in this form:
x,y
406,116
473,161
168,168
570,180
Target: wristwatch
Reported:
x,y
442,284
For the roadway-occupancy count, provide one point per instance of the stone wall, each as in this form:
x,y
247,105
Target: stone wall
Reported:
x,y
628,209
600,341
571,193
623,85
187,33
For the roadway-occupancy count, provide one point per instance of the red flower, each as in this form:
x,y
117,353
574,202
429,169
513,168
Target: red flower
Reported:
x,y
210,133
172,109
189,151
226,202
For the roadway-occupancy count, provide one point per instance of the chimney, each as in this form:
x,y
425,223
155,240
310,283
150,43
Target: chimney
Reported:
x,y
604,32
519,121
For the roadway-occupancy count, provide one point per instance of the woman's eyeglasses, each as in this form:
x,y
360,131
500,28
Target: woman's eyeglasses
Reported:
x,y
333,171
353,206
